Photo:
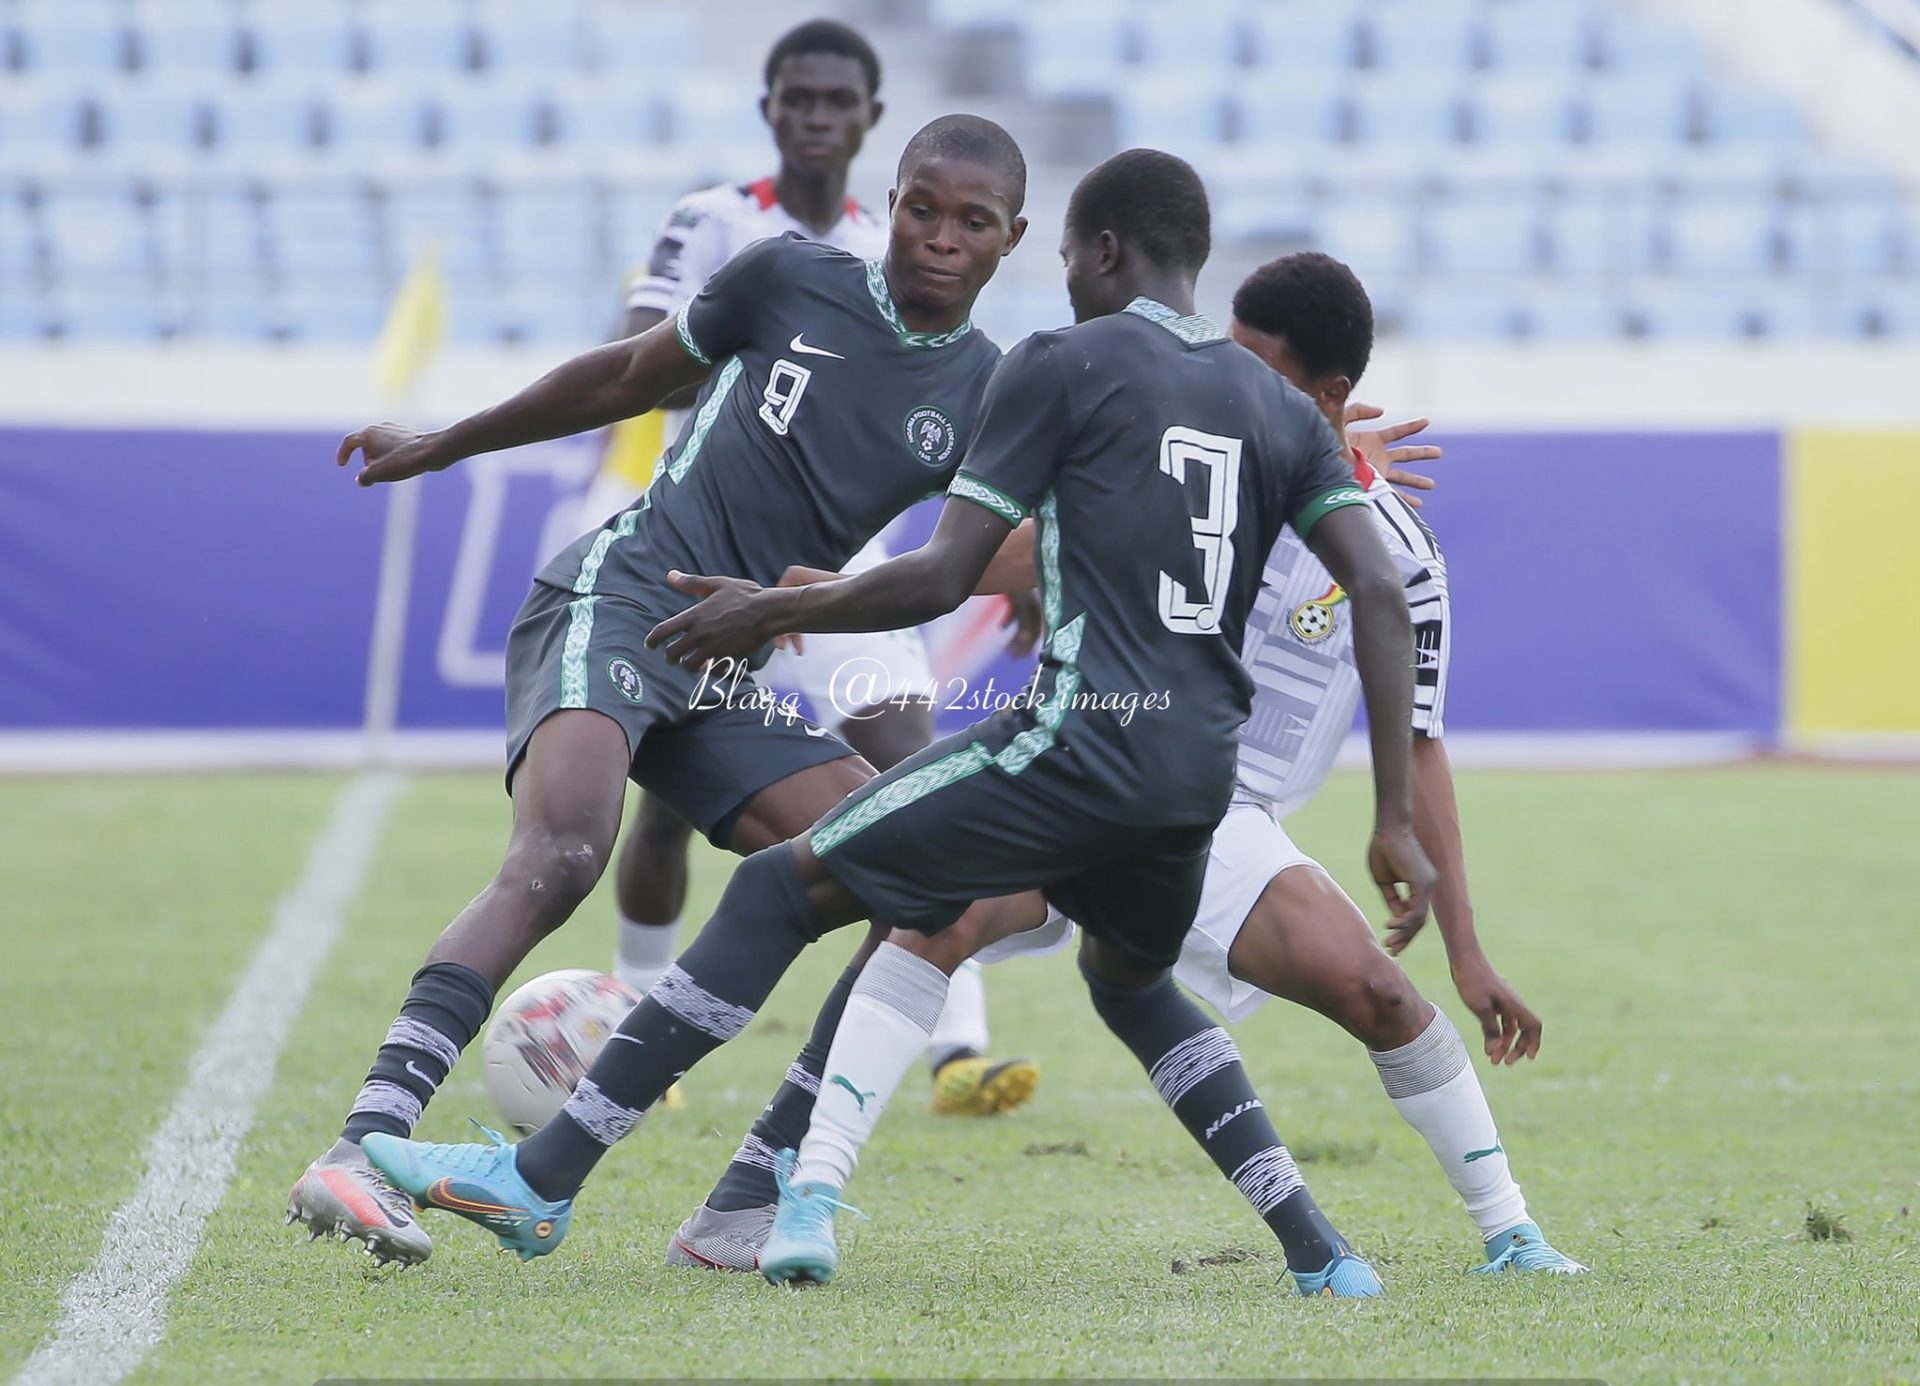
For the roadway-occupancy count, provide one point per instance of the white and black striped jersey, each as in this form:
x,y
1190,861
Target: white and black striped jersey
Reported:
x,y
1299,649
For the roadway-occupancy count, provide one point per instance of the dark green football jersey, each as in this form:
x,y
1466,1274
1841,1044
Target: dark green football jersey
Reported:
x,y
1160,460
824,419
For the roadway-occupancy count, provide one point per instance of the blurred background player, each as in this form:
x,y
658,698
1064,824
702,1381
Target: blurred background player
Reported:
x,y
821,99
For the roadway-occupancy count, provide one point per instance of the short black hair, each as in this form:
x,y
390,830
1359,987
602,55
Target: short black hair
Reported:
x,y
970,137
825,36
1318,305
1151,201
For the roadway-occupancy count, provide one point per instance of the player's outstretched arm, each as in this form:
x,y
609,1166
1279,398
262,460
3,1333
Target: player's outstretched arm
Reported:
x,y
1510,1028
1346,541
735,617
594,389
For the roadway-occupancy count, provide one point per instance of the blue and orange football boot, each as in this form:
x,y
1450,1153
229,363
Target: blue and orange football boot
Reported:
x,y
481,1183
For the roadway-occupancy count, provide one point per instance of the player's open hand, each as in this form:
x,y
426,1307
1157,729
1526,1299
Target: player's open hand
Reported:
x,y
1511,1030
1378,447
728,622
1405,878
393,453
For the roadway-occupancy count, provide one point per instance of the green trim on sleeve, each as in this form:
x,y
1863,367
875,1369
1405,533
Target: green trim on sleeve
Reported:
x,y
685,333
999,502
1316,509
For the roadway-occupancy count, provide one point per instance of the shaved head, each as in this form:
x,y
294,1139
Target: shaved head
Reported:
x,y
974,139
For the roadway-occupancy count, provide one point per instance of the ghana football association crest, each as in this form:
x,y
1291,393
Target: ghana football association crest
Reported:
x,y
1314,621
931,435
626,679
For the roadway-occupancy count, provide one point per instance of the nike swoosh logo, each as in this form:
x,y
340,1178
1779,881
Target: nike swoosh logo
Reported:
x,y
1473,1155
801,348
425,1078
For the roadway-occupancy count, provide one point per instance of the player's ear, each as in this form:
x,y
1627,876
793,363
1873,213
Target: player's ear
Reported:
x,y
875,109
1335,391
893,196
1014,234
1106,253
766,108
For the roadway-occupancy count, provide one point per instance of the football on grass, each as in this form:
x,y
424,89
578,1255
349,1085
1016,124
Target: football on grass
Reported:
x,y
545,1036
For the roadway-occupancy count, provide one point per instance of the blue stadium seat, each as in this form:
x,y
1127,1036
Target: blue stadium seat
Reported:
x,y
422,38
1074,47
1542,37
635,210
325,228
374,121
70,38
634,42
1422,37
1376,242
977,14
1870,236
201,45
94,233
1457,312
1520,110
40,124
1739,237
326,311
1555,310
573,315
211,232
532,39
607,116
22,317
256,128
147,121
548,229
488,120
710,116
1636,111
83,313
1282,108
235,312
1600,235
1196,42
454,217
1490,237
304,41
1682,309
1630,40
1731,114
1306,34
1407,113
19,243
1169,112
1885,308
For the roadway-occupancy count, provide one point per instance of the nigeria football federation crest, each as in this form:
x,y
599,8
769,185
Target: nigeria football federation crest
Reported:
x,y
626,678
931,435
1314,621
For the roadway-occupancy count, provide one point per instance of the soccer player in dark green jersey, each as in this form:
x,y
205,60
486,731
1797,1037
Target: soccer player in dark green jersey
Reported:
x,y
833,393
1160,461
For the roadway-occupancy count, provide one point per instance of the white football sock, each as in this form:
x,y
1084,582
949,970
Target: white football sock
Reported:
x,y
888,1020
963,1020
642,953
1432,1084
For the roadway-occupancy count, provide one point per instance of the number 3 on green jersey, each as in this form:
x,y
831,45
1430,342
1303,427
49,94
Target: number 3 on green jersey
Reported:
x,y
1189,456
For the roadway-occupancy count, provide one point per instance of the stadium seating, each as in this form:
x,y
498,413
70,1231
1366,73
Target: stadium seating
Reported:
x,y
1496,168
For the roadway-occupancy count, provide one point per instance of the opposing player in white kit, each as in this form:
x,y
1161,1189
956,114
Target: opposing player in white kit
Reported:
x,y
1271,921
875,690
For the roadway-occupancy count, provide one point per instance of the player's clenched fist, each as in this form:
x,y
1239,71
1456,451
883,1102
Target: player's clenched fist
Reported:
x,y
393,453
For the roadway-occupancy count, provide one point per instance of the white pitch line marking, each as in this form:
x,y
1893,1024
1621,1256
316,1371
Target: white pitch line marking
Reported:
x,y
116,1312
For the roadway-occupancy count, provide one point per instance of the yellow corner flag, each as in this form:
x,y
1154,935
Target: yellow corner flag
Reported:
x,y
414,326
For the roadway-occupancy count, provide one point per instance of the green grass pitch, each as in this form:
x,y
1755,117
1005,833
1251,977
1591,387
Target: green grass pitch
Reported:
x,y
1727,962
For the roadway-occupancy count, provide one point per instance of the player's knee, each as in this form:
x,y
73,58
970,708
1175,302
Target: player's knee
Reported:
x,y
1380,1007
554,872
658,828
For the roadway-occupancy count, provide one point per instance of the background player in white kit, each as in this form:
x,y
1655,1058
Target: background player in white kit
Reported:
x,y
1271,921
820,102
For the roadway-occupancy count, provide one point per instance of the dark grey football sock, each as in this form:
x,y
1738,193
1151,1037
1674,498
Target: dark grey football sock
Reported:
x,y
763,922
748,1179
445,1008
1196,1068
